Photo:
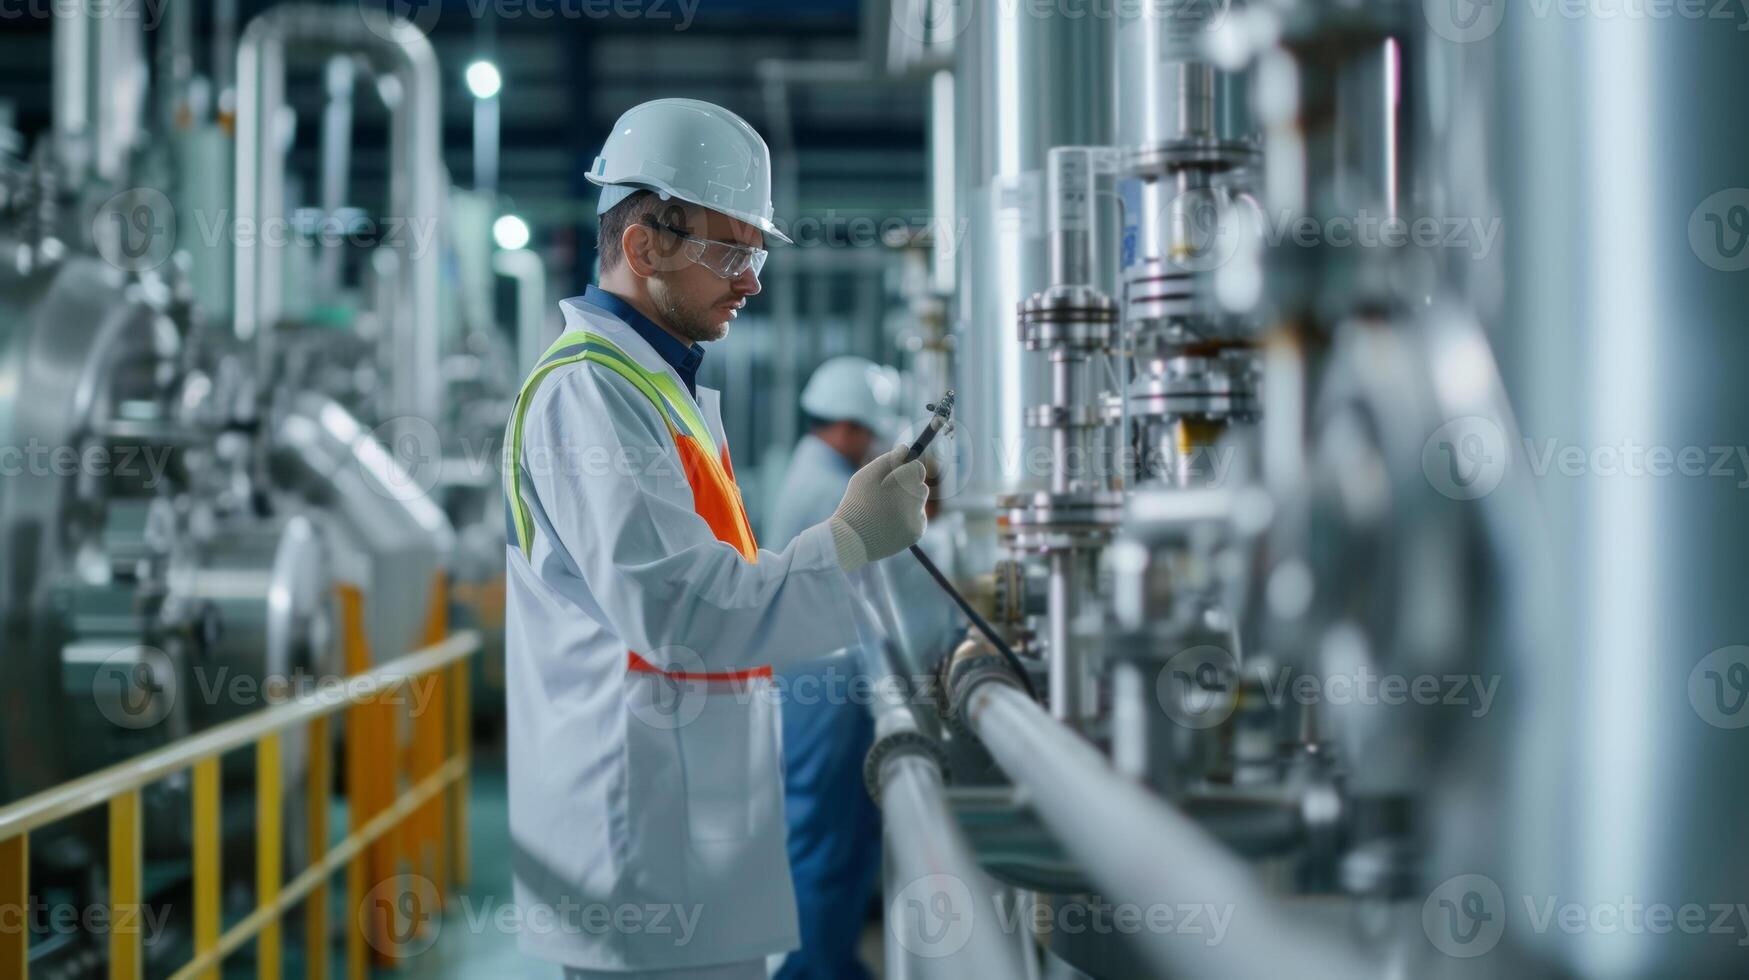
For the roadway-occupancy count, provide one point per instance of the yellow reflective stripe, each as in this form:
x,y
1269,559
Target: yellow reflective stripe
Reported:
x,y
681,413
690,417
683,403
524,520
683,410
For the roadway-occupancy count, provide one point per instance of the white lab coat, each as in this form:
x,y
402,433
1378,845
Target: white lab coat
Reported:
x,y
632,794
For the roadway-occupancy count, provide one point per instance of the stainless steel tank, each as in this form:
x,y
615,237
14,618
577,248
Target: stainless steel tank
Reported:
x,y
1025,80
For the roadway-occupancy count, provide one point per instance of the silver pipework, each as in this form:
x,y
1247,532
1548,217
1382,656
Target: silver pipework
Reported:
x,y
409,82
99,90
1025,80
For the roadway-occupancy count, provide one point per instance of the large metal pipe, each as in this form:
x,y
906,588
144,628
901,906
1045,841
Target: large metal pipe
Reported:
x,y
407,68
380,510
99,90
1620,774
1025,80
336,163
943,911
530,276
1144,853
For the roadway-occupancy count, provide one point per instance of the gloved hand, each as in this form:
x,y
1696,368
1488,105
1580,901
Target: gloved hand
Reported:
x,y
882,510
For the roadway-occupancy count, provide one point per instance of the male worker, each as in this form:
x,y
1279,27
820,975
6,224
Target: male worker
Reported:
x,y
834,828
643,620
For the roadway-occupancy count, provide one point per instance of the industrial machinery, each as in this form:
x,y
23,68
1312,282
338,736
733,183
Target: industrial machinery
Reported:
x,y
1261,306
192,504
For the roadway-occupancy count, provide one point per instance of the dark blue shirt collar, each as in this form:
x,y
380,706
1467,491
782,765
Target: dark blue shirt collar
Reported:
x,y
682,358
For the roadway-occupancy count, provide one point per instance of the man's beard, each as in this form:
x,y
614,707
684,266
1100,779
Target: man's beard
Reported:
x,y
696,326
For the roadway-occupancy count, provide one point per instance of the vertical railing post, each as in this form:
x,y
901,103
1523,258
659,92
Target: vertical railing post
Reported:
x,y
207,907
126,856
321,780
460,736
15,907
381,782
429,724
440,803
365,928
268,848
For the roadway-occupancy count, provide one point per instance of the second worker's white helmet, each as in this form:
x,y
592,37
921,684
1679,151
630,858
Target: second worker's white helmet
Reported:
x,y
692,150
854,389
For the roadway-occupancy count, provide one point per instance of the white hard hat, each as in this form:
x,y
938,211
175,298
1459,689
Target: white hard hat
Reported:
x,y
692,150
853,388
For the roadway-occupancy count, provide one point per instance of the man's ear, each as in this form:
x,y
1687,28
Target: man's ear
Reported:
x,y
649,252
635,244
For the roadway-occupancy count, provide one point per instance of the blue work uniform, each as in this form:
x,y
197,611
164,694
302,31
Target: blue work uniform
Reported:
x,y
834,828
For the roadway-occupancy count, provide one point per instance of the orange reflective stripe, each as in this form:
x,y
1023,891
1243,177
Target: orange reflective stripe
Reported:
x,y
639,665
715,499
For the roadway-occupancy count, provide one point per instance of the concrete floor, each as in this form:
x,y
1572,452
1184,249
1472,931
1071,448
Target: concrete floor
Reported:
x,y
463,949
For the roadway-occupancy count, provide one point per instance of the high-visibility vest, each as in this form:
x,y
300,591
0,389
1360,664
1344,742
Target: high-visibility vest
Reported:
x,y
708,470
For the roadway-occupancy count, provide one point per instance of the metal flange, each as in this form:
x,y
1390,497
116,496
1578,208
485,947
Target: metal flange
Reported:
x,y
1196,386
903,741
1046,522
1067,317
1206,153
1066,417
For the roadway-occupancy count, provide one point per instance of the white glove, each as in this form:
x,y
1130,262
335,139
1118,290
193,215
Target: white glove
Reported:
x,y
882,511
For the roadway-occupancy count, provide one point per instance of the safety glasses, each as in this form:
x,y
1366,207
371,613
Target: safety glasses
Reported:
x,y
726,259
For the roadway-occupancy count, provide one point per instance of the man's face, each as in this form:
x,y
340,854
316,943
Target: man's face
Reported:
x,y
860,442
694,301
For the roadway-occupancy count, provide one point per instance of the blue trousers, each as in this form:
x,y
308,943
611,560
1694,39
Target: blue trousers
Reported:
x,y
834,828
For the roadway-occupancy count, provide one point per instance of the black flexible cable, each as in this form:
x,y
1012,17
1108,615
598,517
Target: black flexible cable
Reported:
x,y
977,620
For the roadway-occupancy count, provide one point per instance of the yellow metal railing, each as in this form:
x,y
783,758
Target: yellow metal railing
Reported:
x,y
421,825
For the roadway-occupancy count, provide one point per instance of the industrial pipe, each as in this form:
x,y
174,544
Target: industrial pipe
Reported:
x,y
410,86
931,880
99,89
933,884
525,268
1142,852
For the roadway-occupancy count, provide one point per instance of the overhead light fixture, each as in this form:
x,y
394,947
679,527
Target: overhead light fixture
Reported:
x,y
484,80
510,232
